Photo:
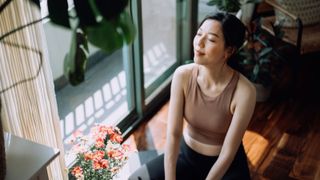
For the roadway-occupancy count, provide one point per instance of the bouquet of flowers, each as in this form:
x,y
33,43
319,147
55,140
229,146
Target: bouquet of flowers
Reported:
x,y
100,155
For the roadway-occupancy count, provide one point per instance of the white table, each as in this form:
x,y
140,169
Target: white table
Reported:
x,y
26,159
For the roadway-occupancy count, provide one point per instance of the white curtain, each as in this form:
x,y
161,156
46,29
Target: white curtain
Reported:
x,y
29,107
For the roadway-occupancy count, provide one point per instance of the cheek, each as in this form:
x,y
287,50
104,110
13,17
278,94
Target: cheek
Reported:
x,y
195,41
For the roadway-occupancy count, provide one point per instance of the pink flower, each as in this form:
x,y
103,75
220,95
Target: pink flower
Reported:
x,y
96,165
88,156
104,163
99,143
115,153
98,155
116,138
93,154
77,171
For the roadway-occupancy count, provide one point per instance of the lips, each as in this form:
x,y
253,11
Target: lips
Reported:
x,y
198,53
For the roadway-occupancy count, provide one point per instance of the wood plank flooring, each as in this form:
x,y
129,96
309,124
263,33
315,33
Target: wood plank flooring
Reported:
x,y
282,140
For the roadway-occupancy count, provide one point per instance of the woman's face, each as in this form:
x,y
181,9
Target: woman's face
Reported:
x,y
208,44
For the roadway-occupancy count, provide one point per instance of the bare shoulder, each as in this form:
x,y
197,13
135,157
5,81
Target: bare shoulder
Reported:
x,y
183,72
245,88
181,76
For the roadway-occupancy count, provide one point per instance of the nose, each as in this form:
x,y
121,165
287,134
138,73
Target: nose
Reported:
x,y
200,41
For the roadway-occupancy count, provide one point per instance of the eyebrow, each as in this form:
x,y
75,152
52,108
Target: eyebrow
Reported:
x,y
211,33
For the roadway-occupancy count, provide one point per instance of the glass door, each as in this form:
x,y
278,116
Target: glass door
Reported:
x,y
159,27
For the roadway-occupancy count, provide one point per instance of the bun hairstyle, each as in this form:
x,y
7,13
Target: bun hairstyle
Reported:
x,y
232,28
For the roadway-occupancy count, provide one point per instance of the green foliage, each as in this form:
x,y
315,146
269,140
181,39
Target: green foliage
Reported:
x,y
258,54
75,61
99,155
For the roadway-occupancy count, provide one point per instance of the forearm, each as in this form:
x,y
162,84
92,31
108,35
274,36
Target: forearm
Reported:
x,y
170,157
219,168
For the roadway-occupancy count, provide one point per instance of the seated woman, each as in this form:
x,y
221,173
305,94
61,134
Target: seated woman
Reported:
x,y
216,102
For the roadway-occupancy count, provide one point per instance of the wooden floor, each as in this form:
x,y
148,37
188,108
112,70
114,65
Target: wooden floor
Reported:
x,y
283,139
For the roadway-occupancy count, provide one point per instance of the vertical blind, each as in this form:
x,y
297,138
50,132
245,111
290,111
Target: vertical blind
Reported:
x,y
29,107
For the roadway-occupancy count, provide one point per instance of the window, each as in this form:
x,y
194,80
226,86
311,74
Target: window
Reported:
x,y
120,87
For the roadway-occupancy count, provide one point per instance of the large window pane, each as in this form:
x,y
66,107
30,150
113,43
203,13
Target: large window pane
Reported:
x,y
104,97
159,38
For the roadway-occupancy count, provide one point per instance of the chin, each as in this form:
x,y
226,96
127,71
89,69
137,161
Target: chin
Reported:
x,y
197,60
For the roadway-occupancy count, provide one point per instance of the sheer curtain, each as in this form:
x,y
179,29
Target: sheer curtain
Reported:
x,y
29,107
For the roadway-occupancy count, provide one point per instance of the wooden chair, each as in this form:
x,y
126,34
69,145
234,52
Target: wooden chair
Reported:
x,y
305,38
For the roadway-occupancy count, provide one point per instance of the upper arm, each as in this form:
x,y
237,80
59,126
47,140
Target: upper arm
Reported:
x,y
176,104
245,100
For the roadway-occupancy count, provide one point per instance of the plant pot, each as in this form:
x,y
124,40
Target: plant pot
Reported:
x,y
263,93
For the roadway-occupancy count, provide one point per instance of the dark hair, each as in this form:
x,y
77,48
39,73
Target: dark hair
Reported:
x,y
232,28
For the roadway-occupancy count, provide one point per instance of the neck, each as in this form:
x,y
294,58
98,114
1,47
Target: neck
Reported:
x,y
215,74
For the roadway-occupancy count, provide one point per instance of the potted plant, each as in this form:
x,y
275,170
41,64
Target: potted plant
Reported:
x,y
105,24
99,155
243,9
259,58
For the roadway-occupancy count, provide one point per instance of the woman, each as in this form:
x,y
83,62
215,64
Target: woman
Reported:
x,y
216,103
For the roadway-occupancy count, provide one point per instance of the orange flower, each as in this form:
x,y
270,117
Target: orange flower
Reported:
x,y
96,165
88,156
104,163
115,154
99,143
98,155
94,159
77,171
116,138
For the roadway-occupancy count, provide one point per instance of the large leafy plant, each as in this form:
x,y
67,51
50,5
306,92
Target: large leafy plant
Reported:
x,y
258,55
105,24
230,5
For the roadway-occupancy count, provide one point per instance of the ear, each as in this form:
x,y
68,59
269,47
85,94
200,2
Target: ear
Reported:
x,y
229,52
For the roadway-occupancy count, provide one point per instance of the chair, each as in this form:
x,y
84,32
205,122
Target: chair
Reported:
x,y
305,38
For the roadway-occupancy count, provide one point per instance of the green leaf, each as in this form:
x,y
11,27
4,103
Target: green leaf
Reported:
x,y
58,12
256,70
247,62
75,61
127,27
265,52
105,36
252,1
212,3
264,61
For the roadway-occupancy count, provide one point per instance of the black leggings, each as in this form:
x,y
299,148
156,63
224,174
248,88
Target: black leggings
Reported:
x,y
194,166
